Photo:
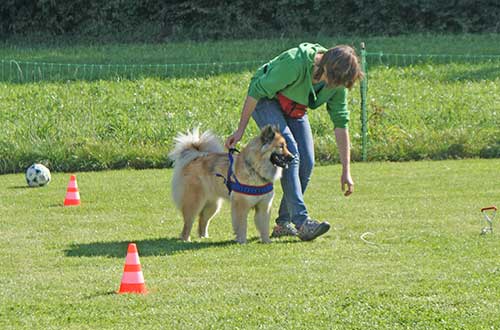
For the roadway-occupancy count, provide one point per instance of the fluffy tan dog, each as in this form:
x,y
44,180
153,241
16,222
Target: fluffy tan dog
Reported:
x,y
200,180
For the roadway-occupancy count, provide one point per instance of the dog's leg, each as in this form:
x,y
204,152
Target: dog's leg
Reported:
x,y
188,224
191,207
262,215
209,211
239,214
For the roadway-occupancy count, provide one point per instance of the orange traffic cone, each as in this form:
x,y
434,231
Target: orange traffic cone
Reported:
x,y
72,194
132,280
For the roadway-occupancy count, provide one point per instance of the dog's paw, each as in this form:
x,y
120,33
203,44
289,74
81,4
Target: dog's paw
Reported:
x,y
266,240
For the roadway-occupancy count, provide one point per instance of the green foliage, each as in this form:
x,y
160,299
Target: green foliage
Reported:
x,y
153,20
423,264
491,150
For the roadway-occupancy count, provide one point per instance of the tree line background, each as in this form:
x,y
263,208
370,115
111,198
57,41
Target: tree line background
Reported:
x,y
155,20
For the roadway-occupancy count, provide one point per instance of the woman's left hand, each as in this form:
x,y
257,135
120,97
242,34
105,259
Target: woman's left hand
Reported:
x,y
346,180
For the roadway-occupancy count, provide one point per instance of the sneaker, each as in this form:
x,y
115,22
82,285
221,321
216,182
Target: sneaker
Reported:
x,y
311,229
284,229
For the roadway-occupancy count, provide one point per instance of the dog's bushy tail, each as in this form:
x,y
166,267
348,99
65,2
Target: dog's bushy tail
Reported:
x,y
187,148
192,145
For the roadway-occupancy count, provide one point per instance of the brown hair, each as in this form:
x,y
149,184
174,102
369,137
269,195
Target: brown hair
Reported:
x,y
341,65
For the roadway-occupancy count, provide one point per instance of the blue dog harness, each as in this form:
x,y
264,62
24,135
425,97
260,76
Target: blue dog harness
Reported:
x,y
239,187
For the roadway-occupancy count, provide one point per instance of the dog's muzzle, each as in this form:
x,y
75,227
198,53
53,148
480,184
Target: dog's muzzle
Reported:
x,y
281,160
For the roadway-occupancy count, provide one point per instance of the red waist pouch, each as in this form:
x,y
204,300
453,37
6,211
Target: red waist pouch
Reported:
x,y
291,108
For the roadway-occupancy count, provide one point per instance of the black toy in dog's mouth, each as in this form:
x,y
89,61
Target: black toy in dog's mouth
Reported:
x,y
281,160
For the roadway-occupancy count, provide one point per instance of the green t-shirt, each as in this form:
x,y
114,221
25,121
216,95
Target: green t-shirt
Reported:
x,y
291,74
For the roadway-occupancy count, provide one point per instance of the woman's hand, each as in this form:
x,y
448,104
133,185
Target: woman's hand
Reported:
x,y
346,180
233,139
246,113
342,137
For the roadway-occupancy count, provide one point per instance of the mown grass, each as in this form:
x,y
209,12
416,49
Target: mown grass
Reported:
x,y
423,264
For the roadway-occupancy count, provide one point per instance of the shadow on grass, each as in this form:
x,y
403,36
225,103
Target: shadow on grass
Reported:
x,y
488,73
149,247
20,187
101,294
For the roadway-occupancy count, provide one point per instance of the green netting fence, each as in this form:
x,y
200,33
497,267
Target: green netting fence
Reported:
x,y
26,72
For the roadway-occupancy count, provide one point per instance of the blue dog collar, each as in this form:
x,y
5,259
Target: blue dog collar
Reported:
x,y
239,187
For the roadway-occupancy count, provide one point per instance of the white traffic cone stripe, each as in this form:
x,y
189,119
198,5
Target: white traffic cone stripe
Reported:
x,y
132,259
73,195
132,277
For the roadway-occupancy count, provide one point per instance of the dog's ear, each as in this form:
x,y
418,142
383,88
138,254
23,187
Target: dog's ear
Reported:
x,y
267,135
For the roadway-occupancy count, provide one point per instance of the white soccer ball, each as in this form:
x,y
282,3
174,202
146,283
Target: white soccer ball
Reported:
x,y
37,175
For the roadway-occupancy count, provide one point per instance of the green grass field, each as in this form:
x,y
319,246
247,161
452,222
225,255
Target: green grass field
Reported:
x,y
422,265
404,251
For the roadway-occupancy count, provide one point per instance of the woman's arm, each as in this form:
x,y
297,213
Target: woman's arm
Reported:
x,y
343,144
248,108
268,80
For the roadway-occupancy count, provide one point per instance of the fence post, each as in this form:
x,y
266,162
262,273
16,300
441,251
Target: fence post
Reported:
x,y
364,118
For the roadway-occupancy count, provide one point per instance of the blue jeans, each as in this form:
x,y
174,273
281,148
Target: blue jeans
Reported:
x,y
298,135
